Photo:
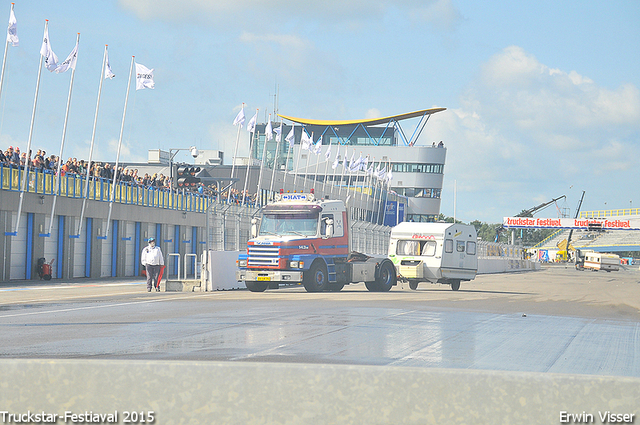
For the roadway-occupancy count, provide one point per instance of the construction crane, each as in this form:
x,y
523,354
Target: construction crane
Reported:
x,y
528,213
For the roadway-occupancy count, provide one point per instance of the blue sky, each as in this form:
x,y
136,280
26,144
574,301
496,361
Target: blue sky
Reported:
x,y
542,97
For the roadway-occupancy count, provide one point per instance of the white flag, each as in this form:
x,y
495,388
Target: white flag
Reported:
x,y
107,70
327,154
291,137
12,31
278,132
268,131
351,160
50,58
317,148
144,77
251,126
305,141
239,118
69,62
337,160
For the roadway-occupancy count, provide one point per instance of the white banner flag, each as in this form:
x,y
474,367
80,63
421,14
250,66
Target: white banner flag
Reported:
x,y
251,126
12,31
327,154
144,77
291,138
239,118
107,70
50,58
305,141
278,131
69,62
268,131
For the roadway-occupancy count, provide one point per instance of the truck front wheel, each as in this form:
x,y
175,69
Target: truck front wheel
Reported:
x,y
257,286
316,279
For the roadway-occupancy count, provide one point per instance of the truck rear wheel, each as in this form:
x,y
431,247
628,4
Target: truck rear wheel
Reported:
x,y
257,286
316,279
386,276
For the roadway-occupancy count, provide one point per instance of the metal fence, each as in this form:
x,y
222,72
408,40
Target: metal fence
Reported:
x,y
44,182
229,229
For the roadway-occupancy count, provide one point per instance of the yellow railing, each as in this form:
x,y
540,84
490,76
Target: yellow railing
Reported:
x,y
610,213
72,186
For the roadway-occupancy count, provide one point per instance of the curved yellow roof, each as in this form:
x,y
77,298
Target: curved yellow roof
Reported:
x,y
372,121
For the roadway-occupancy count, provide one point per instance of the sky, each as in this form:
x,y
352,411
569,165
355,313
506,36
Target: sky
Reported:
x,y
542,97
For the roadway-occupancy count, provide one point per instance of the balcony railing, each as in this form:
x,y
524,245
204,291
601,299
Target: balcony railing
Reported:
x,y
44,182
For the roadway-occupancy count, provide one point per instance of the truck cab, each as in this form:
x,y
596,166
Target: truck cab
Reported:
x,y
303,240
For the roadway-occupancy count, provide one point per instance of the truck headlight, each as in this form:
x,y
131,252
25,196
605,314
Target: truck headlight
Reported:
x,y
242,263
293,264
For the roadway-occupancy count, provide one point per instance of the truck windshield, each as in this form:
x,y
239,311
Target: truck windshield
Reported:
x,y
289,224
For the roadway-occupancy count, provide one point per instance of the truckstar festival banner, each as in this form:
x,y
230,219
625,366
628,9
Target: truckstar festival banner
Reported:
x,y
571,223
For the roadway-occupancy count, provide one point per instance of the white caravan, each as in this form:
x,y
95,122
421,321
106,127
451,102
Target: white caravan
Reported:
x,y
434,252
600,261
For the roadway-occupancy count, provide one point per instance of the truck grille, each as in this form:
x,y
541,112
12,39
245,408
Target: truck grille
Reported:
x,y
264,256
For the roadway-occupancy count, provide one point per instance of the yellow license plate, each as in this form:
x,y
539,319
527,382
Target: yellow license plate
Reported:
x,y
264,278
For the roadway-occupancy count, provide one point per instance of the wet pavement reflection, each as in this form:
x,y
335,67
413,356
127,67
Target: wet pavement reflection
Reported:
x,y
322,331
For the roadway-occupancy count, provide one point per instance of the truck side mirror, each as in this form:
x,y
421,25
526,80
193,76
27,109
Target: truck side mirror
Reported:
x,y
254,227
328,231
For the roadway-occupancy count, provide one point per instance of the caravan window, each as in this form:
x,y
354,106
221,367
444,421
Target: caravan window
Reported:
x,y
471,248
428,248
448,245
460,246
413,247
408,248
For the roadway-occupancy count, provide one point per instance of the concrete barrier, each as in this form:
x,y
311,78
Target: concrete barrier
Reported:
x,y
177,392
489,265
222,270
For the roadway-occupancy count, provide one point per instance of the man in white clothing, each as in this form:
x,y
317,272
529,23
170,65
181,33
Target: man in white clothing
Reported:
x,y
153,261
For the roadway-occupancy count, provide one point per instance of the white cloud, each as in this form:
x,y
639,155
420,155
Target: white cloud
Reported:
x,y
373,113
526,131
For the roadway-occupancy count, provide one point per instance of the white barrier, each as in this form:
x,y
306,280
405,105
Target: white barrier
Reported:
x,y
221,268
489,265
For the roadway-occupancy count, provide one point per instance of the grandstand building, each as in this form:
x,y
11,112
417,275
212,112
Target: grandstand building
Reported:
x,y
417,170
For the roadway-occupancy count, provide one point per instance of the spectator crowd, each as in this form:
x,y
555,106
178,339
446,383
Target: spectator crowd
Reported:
x,y
12,157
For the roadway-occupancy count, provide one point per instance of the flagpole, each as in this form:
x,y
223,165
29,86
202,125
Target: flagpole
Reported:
x,y
33,116
275,160
115,169
295,176
4,60
246,176
93,138
333,177
264,153
326,167
286,168
64,133
233,160
344,164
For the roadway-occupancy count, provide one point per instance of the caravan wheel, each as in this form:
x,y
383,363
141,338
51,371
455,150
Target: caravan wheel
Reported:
x,y
455,285
413,284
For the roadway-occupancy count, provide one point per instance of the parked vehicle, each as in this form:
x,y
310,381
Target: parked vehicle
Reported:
x,y
601,261
434,252
302,240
